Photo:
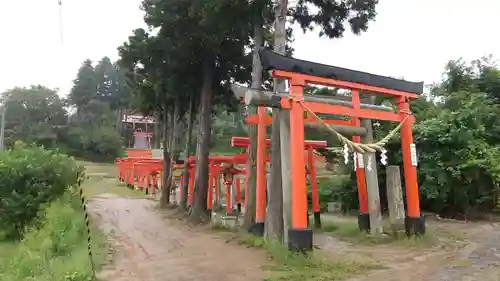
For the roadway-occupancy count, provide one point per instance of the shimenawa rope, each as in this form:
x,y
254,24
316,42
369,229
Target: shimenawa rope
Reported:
x,y
353,146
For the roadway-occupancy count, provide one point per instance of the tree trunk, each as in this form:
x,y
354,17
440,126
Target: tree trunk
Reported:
x,y
199,210
274,217
119,113
249,218
156,132
173,142
172,132
187,153
125,133
165,191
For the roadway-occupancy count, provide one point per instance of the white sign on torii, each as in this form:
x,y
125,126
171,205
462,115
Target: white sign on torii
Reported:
x,y
137,119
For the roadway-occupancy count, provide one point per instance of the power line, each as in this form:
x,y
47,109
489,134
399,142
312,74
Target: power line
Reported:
x,y
59,2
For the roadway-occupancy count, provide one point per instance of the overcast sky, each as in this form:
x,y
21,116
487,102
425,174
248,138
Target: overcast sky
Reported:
x,y
410,38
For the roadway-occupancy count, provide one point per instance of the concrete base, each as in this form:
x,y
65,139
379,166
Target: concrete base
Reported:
x,y
415,226
300,240
317,220
364,222
257,229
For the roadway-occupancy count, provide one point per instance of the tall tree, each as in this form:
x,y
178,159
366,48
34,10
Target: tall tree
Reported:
x,y
104,73
85,86
214,49
331,18
258,9
280,136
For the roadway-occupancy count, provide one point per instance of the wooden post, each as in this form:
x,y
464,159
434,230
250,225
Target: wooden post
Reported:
x,y
286,172
314,188
371,176
395,198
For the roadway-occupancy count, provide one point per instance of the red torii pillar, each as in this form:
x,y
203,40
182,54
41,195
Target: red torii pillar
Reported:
x,y
363,216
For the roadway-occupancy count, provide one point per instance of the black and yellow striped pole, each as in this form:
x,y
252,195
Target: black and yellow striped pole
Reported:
x,y
87,226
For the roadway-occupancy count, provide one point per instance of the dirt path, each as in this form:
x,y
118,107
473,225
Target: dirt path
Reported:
x,y
480,260
476,260
459,251
151,248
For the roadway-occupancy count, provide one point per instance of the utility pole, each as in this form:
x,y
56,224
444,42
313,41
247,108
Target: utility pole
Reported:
x,y
3,110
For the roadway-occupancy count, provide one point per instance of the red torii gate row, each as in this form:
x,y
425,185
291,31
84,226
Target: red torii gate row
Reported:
x,y
260,210
299,73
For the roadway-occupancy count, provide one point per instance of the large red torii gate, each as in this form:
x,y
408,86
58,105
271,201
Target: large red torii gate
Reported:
x,y
299,73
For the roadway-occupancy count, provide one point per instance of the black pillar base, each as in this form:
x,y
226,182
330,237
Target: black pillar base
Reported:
x,y
300,240
257,229
364,222
415,226
317,219
238,207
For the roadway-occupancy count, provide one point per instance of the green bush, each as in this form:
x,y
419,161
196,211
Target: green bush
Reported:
x,y
57,250
31,177
329,190
101,143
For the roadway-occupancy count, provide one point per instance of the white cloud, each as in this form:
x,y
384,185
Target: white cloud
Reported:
x,y
410,38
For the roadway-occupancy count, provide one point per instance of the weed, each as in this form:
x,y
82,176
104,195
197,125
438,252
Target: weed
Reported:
x,y
95,186
311,267
350,232
103,180
57,251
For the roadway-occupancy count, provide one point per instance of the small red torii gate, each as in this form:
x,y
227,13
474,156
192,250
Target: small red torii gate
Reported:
x,y
214,169
260,210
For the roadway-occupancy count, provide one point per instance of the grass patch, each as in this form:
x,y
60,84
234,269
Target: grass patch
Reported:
x,y
6,250
104,168
103,178
221,227
57,251
304,267
349,231
96,185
